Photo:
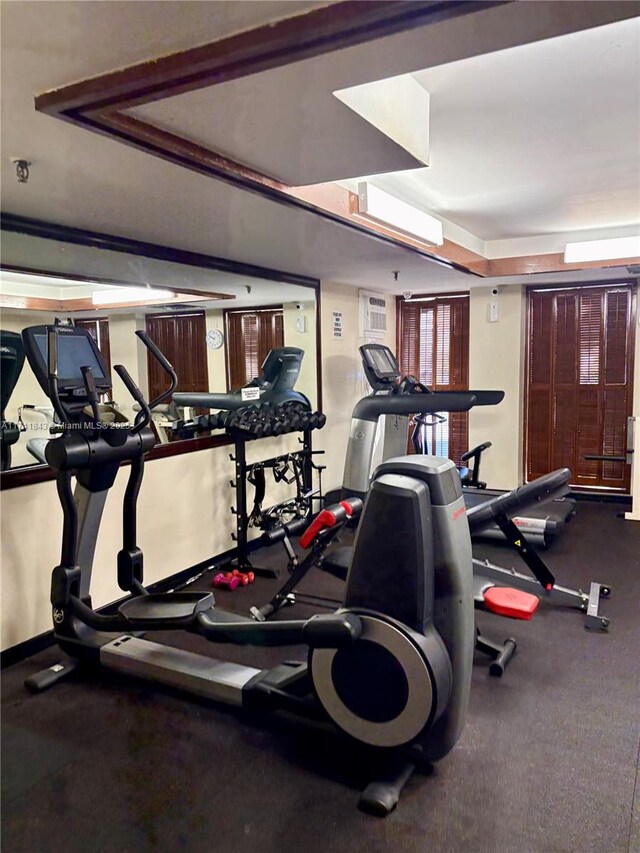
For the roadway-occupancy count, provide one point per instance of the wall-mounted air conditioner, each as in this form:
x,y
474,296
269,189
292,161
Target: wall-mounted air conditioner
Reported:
x,y
373,314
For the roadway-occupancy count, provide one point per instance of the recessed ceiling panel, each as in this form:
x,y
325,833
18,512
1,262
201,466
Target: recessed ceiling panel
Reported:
x,y
282,123
534,140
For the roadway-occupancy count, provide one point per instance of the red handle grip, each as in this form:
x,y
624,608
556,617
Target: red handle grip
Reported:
x,y
327,518
323,520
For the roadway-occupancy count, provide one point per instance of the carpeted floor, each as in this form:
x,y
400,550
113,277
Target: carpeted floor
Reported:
x,y
548,760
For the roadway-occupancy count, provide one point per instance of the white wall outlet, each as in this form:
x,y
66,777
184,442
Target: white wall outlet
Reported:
x,y
301,324
494,311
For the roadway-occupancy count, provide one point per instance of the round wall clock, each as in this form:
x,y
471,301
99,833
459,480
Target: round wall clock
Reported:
x,y
215,338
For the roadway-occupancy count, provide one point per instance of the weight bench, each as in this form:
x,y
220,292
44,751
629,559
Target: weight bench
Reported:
x,y
503,601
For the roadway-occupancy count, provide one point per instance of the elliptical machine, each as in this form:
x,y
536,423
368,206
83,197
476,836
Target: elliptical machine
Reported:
x,y
391,668
11,362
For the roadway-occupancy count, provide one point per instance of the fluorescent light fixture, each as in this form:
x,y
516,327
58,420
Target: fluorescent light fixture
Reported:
x,y
389,210
602,250
128,294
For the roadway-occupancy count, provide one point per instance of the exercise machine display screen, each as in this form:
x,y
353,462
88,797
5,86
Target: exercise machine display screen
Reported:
x,y
74,352
381,361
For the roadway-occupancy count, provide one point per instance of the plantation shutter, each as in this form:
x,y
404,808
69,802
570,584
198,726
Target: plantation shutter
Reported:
x,y
98,328
580,351
434,347
182,338
250,336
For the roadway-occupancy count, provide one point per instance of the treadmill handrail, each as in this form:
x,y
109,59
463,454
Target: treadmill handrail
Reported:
x,y
372,407
548,486
487,398
205,400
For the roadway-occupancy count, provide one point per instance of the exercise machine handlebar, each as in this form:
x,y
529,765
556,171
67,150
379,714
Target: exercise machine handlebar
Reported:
x,y
329,517
370,408
164,363
339,512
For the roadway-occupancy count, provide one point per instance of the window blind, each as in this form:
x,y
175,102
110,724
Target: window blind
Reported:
x,y
182,338
250,336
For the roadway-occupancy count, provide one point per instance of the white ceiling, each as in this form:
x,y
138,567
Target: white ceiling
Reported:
x,y
85,180
541,139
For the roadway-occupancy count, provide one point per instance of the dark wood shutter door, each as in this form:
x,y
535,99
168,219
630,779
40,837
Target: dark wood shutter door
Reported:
x,y
409,336
579,379
539,382
459,376
617,385
434,346
566,389
182,338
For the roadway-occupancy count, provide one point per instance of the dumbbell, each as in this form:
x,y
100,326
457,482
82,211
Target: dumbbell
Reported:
x,y
302,416
319,419
257,424
297,412
226,581
281,424
266,427
224,419
238,419
244,578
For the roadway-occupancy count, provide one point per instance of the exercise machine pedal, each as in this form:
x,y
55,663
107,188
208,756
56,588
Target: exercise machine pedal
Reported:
x,y
170,607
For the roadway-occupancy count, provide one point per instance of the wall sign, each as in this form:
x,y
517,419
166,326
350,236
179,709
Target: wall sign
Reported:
x,y
337,324
250,394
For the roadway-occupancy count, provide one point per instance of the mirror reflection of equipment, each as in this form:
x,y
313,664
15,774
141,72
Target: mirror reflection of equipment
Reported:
x,y
11,364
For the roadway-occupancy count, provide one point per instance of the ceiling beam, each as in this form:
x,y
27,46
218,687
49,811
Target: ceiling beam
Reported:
x,y
98,104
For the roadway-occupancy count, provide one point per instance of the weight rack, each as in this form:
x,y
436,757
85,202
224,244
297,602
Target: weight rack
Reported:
x,y
243,548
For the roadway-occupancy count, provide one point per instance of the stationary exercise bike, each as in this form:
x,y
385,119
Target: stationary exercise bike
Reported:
x,y
390,669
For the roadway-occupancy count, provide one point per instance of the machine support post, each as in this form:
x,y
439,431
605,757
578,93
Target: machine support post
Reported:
x,y
517,540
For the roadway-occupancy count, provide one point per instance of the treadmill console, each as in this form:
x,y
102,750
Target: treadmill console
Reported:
x,y
76,349
380,366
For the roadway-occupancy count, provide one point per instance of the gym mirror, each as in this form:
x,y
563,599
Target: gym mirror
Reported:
x,y
214,319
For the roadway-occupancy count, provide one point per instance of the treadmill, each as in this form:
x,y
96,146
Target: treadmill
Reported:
x,y
399,398
275,385
392,403
541,524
